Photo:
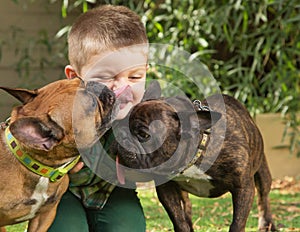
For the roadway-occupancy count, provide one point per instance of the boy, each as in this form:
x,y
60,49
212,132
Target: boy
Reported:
x,y
106,44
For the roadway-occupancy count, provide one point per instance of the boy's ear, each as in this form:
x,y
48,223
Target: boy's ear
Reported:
x,y
153,91
70,72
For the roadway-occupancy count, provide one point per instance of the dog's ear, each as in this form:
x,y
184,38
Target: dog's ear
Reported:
x,y
180,103
23,95
192,121
207,118
34,133
153,91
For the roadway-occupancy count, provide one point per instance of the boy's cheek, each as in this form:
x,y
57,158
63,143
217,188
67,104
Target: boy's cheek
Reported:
x,y
138,90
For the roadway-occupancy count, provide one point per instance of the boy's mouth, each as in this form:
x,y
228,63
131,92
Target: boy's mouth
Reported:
x,y
124,96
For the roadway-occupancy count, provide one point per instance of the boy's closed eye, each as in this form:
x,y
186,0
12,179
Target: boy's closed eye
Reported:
x,y
102,79
135,77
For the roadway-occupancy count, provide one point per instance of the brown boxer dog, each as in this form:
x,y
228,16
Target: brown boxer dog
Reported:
x,y
40,143
207,149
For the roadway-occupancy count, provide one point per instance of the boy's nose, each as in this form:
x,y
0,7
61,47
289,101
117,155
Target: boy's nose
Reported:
x,y
119,83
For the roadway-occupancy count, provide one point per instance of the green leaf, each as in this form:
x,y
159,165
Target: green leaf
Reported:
x,y
64,8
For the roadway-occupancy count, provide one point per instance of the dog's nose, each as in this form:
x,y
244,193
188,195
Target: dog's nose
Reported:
x,y
102,92
96,88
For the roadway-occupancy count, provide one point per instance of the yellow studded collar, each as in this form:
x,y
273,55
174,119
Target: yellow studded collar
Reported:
x,y
54,174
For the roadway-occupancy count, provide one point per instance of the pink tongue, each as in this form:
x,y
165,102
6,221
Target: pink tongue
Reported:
x,y
120,171
120,90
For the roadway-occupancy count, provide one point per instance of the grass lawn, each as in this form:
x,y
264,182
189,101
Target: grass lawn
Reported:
x,y
211,215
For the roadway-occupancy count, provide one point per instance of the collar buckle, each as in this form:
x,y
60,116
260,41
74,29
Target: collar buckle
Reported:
x,y
5,124
62,170
57,174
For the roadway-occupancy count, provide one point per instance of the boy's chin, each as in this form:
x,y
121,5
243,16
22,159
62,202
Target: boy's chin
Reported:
x,y
123,111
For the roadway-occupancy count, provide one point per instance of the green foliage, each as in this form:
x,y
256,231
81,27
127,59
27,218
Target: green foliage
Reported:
x,y
67,6
251,47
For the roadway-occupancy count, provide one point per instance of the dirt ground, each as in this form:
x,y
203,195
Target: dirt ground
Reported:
x,y
287,185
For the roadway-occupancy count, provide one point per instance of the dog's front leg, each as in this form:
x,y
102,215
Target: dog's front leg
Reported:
x,y
171,197
242,199
187,204
43,220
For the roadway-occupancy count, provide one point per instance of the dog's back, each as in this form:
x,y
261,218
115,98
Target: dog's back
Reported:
x,y
241,152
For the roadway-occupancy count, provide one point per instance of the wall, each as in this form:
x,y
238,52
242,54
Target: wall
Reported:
x,y
27,30
281,162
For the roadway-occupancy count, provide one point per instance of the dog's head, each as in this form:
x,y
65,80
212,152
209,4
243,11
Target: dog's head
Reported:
x,y
61,116
163,134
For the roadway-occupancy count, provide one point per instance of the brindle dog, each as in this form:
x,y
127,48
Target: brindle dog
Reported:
x,y
162,137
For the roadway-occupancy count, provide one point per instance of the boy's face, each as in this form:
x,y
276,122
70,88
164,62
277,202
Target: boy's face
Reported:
x,y
123,71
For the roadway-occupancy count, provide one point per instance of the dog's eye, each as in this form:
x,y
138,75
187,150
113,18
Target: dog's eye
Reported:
x,y
143,136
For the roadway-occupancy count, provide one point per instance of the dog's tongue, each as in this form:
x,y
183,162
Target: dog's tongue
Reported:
x,y
120,171
120,90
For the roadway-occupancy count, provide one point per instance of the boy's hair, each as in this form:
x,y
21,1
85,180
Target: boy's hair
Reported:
x,y
103,29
